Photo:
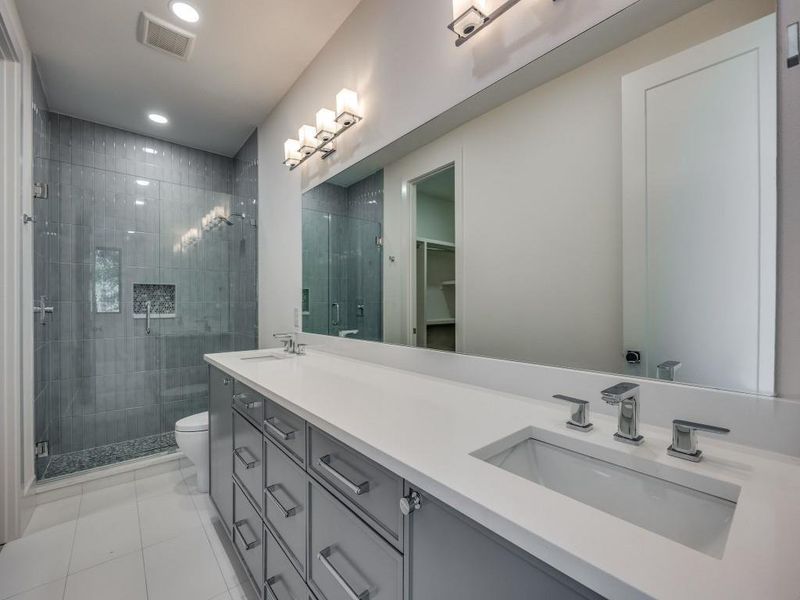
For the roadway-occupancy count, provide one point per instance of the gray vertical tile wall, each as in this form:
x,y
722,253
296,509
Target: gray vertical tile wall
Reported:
x,y
342,264
103,379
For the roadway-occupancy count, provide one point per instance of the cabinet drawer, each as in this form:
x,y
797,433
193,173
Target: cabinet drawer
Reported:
x,y
373,491
347,559
282,581
248,459
248,532
285,502
287,430
249,403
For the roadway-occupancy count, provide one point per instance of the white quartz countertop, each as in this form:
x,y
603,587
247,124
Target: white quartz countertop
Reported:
x,y
425,429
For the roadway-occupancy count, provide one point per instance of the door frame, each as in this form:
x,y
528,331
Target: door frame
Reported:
x,y
410,193
16,279
634,185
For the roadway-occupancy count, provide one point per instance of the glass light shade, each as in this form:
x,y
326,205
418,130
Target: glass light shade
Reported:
x,y
291,153
326,124
348,110
308,139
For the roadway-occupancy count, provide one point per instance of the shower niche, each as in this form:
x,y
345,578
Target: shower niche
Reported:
x,y
160,296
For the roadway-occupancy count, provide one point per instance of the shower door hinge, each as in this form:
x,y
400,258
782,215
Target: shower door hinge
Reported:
x,y
379,241
40,190
41,449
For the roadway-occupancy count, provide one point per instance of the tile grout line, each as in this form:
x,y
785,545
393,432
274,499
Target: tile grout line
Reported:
x,y
141,538
205,532
72,548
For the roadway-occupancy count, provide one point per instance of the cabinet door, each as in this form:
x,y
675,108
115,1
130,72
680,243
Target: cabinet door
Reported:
x,y
450,557
220,431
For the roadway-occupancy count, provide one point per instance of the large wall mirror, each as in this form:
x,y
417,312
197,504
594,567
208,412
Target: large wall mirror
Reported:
x,y
618,217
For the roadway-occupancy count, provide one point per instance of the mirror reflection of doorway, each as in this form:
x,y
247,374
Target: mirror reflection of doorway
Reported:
x,y
435,281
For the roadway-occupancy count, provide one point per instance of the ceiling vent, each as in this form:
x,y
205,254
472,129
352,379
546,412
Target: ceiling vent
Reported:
x,y
164,36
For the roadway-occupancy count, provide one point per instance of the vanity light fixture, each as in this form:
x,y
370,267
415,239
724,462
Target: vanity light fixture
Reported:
x,y
470,16
330,125
326,125
307,135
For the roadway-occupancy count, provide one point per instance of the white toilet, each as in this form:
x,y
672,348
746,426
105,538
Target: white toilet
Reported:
x,y
191,435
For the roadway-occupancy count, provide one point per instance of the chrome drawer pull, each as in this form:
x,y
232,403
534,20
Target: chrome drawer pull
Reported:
x,y
276,432
286,512
324,463
248,464
351,593
272,581
238,527
247,404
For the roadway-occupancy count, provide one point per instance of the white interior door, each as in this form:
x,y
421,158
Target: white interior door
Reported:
x,y
699,211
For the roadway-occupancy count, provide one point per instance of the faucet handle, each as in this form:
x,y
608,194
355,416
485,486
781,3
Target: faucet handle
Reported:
x,y
287,339
684,439
666,370
579,418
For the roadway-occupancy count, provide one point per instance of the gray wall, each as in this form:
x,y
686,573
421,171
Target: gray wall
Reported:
x,y
788,350
106,380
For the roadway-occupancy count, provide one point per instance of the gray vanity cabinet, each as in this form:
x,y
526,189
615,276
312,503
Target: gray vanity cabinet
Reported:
x,y
313,519
347,559
220,431
450,557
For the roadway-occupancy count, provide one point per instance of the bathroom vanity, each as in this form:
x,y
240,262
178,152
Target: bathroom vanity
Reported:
x,y
341,479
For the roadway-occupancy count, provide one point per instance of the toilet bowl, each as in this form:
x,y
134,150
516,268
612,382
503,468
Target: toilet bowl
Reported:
x,y
191,435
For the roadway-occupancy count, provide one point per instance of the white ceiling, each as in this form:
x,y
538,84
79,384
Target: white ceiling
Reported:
x,y
247,55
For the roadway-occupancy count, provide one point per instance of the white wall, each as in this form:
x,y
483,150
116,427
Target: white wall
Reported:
x,y
540,277
16,288
402,60
435,218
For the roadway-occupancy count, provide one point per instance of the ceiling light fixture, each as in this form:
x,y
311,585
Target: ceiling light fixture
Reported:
x,y
142,182
184,11
158,118
330,125
149,150
470,16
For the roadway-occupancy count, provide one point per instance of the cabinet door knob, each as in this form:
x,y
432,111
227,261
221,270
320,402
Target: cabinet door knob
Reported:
x,y
410,503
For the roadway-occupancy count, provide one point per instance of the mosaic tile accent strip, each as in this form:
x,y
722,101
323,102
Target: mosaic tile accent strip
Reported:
x,y
74,462
160,295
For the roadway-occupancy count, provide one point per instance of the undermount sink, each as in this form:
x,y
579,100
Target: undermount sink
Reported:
x,y
268,356
693,510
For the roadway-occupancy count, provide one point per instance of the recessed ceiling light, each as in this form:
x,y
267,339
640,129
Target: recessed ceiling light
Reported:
x,y
140,202
150,150
142,182
184,11
158,118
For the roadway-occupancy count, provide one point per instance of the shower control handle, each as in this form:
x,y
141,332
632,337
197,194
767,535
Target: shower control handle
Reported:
x,y
42,309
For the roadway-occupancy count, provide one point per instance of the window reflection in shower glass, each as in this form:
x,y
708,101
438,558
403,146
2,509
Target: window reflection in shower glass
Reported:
x,y
107,285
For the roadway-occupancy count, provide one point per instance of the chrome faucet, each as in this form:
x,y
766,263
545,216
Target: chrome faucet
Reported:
x,y
626,396
287,339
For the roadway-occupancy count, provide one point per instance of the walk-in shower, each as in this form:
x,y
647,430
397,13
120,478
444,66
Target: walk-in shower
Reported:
x,y
139,288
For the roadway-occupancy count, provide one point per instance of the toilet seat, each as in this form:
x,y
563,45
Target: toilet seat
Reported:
x,y
198,422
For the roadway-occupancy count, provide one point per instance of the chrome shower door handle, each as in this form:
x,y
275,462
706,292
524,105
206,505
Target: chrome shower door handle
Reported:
x,y
147,318
337,319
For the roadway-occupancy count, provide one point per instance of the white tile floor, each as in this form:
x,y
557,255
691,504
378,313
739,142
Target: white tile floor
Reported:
x,y
148,537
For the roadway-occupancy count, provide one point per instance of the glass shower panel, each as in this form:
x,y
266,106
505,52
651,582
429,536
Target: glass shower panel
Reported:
x,y
125,214
316,287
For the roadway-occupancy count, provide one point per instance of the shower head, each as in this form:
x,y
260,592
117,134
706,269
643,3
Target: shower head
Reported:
x,y
222,219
